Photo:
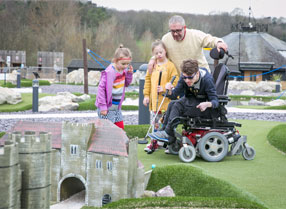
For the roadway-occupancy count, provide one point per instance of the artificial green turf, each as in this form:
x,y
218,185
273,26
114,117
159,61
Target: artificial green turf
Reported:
x,y
2,134
193,182
277,137
263,177
25,83
181,202
26,104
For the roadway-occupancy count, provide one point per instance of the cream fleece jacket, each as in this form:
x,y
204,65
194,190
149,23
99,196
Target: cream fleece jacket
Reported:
x,y
191,47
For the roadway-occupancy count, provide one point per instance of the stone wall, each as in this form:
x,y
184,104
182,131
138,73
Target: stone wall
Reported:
x,y
35,161
75,138
10,176
106,175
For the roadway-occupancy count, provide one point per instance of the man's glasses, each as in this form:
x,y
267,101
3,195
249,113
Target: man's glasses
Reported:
x,y
176,31
189,77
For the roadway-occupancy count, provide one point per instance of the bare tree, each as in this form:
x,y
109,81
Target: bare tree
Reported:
x,y
110,34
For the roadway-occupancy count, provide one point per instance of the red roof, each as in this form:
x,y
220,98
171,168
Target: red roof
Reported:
x,y
107,138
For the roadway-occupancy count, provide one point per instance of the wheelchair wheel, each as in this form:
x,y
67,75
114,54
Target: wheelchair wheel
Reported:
x,y
174,148
187,154
248,155
213,147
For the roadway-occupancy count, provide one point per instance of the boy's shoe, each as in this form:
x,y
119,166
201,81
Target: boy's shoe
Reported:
x,y
148,148
167,151
160,135
160,144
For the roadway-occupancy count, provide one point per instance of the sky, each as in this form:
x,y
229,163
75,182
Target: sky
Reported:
x,y
260,8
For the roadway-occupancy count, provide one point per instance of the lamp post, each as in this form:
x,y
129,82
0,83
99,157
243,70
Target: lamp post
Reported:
x,y
19,78
35,95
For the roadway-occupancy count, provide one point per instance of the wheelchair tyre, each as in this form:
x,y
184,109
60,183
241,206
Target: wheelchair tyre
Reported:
x,y
213,147
174,148
249,155
187,158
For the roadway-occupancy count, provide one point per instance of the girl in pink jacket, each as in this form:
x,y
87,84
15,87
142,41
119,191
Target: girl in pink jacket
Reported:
x,y
111,88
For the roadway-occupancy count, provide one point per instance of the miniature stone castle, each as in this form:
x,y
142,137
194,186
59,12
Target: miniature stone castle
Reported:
x,y
96,157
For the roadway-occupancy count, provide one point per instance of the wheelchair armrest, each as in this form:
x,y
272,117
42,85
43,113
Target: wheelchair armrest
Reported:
x,y
223,99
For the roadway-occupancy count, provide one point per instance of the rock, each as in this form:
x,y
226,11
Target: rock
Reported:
x,y
241,85
165,192
77,77
81,98
9,96
12,77
277,102
262,86
248,93
255,102
136,77
62,101
148,193
93,77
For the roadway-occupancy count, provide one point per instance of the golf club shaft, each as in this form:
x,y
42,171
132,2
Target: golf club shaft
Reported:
x,y
153,119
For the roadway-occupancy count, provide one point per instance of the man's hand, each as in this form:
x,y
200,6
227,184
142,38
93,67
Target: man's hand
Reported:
x,y
204,105
146,101
103,112
151,65
221,45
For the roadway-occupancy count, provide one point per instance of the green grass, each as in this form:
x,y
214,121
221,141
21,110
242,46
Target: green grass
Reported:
x,y
277,137
25,83
263,177
262,107
260,98
193,188
26,104
2,134
181,202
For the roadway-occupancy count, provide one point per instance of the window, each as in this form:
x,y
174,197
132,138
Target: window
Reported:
x,y
109,165
106,199
98,164
74,150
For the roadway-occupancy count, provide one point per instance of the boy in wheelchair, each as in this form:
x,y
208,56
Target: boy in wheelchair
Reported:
x,y
206,130
199,100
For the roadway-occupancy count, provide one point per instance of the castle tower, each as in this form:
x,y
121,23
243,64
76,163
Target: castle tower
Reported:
x,y
135,171
10,174
34,158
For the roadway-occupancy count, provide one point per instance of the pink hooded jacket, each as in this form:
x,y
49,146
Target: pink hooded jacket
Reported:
x,y
104,91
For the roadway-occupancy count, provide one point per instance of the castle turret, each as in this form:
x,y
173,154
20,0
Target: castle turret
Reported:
x,y
34,158
9,176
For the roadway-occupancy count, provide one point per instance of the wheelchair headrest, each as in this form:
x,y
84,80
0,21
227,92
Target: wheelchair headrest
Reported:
x,y
217,55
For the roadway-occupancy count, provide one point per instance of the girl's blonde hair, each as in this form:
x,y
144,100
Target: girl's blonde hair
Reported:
x,y
122,52
158,42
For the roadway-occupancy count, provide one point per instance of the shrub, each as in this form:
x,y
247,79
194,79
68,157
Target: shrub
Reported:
x,y
277,137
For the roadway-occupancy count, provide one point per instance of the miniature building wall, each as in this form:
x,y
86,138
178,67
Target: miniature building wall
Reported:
x,y
105,164
10,176
35,161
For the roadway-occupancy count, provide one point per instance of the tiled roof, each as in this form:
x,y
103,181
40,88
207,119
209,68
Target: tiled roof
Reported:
x,y
54,128
107,138
254,48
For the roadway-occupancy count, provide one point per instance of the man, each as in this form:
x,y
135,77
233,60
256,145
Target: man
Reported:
x,y
200,98
183,43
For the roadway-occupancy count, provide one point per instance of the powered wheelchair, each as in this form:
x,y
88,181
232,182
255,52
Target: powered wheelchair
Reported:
x,y
211,139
